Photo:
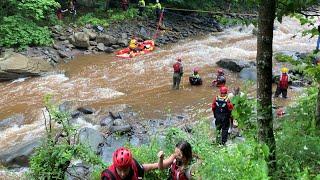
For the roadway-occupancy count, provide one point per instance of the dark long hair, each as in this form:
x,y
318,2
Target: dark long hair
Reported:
x,y
186,149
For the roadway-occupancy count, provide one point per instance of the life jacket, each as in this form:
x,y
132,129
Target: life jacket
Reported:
x,y
133,44
157,6
176,174
111,173
142,3
284,81
222,105
176,67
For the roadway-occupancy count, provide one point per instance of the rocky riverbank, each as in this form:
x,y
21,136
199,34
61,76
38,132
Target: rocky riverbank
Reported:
x,y
74,40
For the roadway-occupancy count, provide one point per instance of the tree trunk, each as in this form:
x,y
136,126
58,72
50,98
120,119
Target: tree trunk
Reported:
x,y
318,109
264,82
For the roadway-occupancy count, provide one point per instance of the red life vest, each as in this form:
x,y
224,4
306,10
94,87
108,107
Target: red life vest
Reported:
x,y
176,67
111,173
177,174
284,81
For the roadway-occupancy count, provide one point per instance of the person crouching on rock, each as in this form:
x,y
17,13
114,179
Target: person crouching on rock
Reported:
x,y
220,80
195,78
178,163
124,166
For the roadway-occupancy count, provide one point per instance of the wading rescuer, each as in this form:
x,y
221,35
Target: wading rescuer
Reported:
x,y
195,78
177,73
221,108
220,80
124,166
283,84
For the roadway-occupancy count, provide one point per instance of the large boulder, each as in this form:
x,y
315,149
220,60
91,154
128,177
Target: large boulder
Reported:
x,y
15,120
94,139
248,74
106,39
92,35
81,40
18,156
14,65
235,65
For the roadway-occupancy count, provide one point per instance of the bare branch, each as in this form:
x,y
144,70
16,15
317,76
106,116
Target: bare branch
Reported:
x,y
45,121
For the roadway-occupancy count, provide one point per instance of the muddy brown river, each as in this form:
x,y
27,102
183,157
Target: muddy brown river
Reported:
x,y
144,82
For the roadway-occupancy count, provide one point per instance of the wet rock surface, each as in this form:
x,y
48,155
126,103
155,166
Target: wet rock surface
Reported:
x,y
72,40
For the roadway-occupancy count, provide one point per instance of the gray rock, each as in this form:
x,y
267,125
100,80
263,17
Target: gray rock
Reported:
x,y
92,138
106,121
93,43
123,42
78,171
298,83
92,35
66,106
115,46
13,66
101,47
124,36
106,39
120,129
109,50
85,110
235,65
18,156
62,38
64,54
248,74
81,40
11,121
55,46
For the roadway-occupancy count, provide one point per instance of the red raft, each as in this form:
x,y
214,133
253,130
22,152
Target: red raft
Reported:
x,y
146,46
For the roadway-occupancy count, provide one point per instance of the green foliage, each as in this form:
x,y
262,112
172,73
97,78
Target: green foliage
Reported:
x,y
297,143
117,16
37,9
242,161
287,7
91,19
16,31
243,112
20,22
52,158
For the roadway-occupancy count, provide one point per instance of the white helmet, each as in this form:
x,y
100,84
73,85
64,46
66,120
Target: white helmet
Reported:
x,y
157,1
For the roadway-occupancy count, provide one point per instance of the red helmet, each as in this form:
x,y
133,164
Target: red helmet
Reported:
x,y
122,158
196,69
220,71
223,90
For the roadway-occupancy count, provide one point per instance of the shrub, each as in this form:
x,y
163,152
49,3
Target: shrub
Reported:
x,y
53,157
91,19
16,31
297,141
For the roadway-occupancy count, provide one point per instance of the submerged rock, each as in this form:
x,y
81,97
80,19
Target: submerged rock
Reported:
x,y
234,65
18,155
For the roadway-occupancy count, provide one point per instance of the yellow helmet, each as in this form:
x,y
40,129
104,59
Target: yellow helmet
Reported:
x,y
284,70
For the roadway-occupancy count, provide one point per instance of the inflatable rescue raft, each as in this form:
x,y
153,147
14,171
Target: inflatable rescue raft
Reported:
x,y
146,47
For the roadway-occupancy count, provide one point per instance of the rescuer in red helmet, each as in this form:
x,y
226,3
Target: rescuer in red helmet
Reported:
x,y
124,166
220,80
221,108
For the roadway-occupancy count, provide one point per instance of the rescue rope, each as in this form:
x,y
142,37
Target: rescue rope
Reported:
x,y
158,26
212,12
